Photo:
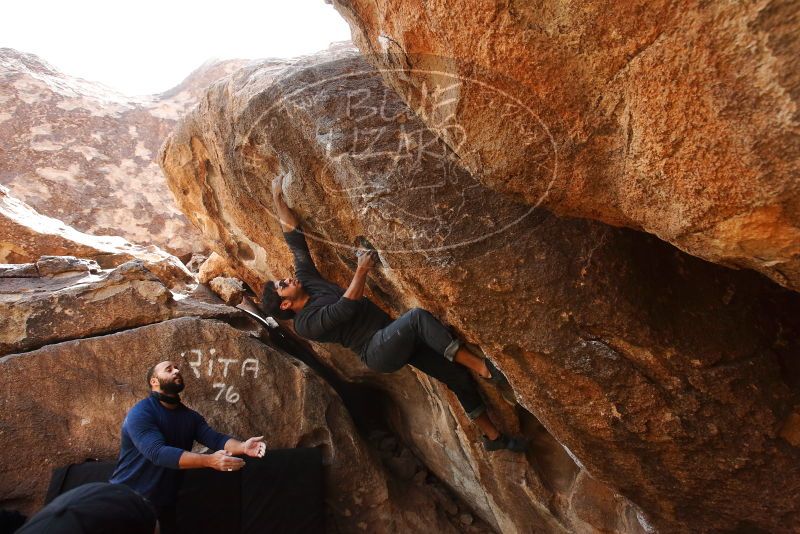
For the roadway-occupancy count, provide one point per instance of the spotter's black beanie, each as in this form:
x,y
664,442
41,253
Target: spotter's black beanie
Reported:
x,y
94,508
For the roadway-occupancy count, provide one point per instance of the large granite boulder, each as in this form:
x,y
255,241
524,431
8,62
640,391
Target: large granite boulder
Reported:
x,y
88,334
26,235
85,154
670,380
59,298
679,119
213,267
65,402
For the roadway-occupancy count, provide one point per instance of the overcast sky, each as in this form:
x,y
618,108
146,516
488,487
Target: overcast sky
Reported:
x,y
149,46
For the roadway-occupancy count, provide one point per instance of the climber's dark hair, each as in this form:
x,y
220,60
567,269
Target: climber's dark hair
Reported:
x,y
271,303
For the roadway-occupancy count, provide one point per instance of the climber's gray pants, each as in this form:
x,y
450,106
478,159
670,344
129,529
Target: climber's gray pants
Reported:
x,y
417,338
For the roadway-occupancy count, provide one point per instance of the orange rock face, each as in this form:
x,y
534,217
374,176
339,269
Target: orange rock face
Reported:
x,y
654,385
679,119
84,154
213,267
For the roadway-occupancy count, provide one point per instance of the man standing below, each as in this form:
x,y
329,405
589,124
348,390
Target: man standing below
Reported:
x,y
157,437
323,311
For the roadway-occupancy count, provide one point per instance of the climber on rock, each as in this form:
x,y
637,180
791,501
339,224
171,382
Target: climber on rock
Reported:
x,y
157,438
323,311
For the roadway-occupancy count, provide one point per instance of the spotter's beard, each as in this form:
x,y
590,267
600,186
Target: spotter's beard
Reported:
x,y
170,387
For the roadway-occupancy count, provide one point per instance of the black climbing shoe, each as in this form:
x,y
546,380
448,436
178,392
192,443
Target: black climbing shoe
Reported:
x,y
508,395
504,442
497,375
499,380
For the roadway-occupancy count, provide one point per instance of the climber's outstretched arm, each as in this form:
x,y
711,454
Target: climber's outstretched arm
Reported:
x,y
366,260
289,220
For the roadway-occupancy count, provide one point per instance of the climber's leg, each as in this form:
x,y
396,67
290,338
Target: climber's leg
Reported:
x,y
391,347
471,361
454,376
430,331
487,427
458,379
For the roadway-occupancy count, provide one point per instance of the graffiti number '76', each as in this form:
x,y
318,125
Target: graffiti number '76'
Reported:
x,y
230,395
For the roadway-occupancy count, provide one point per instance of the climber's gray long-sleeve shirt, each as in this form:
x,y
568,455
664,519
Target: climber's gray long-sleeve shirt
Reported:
x,y
329,316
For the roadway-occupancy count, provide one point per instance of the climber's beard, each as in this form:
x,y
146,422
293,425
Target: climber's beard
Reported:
x,y
172,385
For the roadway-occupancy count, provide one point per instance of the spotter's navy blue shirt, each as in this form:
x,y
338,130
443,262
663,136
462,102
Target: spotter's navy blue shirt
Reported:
x,y
153,439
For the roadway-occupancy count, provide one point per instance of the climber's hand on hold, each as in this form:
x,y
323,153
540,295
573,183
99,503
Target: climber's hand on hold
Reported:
x,y
277,186
366,259
288,219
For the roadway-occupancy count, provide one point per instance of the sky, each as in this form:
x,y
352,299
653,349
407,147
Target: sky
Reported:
x,y
149,46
